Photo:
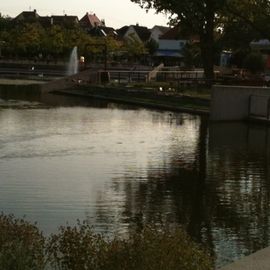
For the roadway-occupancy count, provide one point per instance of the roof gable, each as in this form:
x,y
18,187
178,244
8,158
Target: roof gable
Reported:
x,y
90,20
27,16
161,29
172,34
142,32
122,31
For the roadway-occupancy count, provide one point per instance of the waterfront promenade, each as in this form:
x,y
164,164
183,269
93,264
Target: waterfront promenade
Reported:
x,y
259,260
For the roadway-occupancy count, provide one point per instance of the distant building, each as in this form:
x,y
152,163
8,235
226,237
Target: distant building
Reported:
x,y
171,45
27,17
90,21
46,21
157,31
64,21
140,33
103,31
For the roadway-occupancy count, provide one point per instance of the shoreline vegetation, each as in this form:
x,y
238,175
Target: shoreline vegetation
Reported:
x,y
23,246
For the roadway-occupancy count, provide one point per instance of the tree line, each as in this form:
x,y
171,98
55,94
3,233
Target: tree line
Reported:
x,y
33,41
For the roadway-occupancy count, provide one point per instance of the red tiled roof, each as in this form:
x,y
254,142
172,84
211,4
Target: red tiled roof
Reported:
x,y
91,20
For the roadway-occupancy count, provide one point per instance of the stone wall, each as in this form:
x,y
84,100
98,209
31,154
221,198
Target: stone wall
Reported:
x,y
232,102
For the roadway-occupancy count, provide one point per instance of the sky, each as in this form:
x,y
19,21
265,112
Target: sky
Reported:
x,y
116,13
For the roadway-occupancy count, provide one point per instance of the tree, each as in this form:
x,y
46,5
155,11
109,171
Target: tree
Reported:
x,y
205,17
197,17
28,41
54,42
134,47
192,55
246,22
151,46
254,62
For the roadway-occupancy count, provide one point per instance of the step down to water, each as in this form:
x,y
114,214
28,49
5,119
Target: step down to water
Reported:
x,y
259,119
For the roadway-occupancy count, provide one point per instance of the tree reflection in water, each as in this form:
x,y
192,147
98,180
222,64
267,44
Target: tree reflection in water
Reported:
x,y
221,196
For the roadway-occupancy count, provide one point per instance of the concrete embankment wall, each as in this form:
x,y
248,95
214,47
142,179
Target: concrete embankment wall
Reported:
x,y
230,103
86,76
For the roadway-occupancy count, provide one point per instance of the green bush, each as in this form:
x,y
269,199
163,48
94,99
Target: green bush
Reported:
x,y
152,249
21,245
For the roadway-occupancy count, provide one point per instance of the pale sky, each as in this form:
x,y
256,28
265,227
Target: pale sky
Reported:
x,y
116,13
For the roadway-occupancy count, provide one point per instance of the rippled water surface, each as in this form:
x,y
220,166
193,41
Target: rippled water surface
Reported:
x,y
119,167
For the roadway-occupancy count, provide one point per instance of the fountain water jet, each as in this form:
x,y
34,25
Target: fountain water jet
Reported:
x,y
73,62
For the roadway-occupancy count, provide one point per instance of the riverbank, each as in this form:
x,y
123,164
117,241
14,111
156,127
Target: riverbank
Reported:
x,y
151,98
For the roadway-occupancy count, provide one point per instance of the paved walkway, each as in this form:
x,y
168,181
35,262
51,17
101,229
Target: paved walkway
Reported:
x,y
256,261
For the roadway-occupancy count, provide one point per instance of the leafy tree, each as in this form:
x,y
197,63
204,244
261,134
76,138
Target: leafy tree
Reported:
x,y
245,22
205,17
192,55
53,42
254,62
28,40
134,47
195,16
151,46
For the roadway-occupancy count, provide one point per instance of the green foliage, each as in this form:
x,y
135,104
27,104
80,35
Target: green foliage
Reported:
x,y
254,62
152,46
30,40
192,55
206,18
151,249
21,245
134,46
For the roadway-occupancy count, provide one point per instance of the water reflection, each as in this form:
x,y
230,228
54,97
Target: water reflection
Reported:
x,y
122,167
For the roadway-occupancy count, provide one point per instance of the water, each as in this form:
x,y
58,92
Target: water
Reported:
x,y
73,62
120,167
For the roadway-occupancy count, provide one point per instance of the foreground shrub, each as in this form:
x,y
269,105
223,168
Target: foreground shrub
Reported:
x,y
21,245
152,249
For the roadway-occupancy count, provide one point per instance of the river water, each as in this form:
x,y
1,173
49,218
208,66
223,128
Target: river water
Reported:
x,y
120,167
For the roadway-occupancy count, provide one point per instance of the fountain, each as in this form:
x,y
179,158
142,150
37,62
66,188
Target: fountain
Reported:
x,y
73,62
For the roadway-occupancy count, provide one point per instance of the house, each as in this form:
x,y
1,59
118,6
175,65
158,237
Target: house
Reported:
x,y
27,17
140,33
46,21
157,31
170,47
64,21
103,31
90,21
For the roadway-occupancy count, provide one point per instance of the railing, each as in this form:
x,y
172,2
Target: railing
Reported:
x,y
176,78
